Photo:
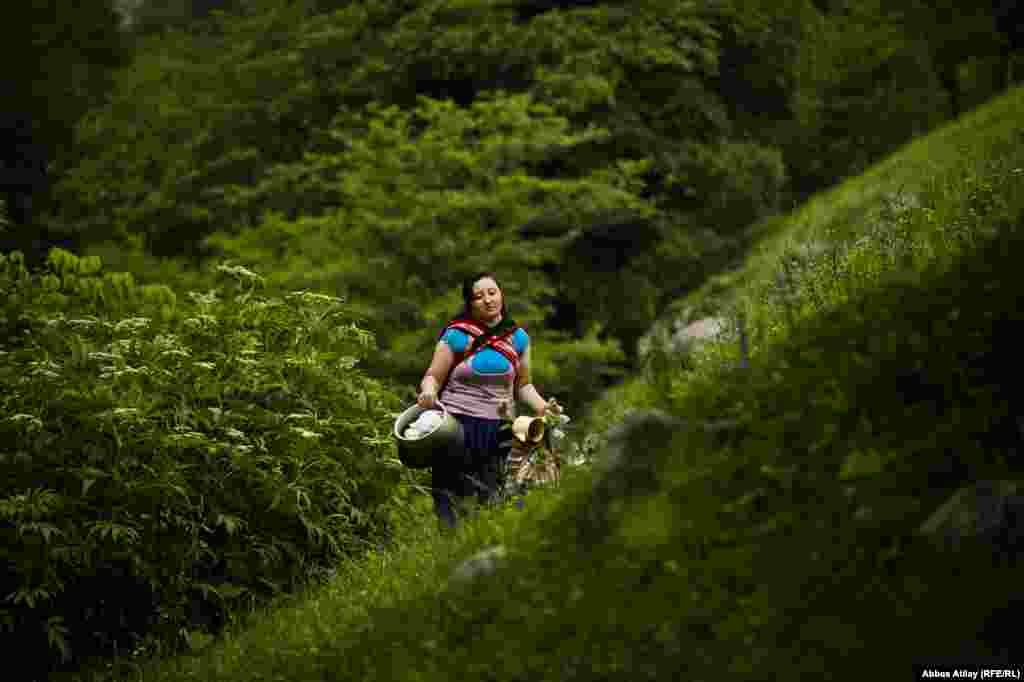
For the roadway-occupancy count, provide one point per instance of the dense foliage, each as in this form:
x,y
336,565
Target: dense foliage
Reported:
x,y
416,201
701,117
58,59
166,460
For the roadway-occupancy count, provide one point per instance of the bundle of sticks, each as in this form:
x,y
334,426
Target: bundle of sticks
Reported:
x,y
532,463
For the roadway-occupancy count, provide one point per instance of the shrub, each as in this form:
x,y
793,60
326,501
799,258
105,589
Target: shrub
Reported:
x,y
165,461
576,371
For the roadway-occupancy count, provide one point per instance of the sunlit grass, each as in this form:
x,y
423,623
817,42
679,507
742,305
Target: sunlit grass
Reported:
x,y
416,566
923,204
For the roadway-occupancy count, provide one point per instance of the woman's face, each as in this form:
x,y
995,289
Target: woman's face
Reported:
x,y
487,301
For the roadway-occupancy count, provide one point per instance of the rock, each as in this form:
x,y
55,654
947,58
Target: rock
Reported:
x,y
627,467
708,329
637,430
989,511
629,463
684,336
483,563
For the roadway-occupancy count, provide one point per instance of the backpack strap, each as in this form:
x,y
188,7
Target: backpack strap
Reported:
x,y
502,344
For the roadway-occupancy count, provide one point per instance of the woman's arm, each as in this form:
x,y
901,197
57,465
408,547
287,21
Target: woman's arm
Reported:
x,y
440,365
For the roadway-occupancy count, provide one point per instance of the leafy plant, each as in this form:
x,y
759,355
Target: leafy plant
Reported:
x,y
168,461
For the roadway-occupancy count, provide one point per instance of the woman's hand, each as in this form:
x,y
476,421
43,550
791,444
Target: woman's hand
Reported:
x,y
506,410
427,399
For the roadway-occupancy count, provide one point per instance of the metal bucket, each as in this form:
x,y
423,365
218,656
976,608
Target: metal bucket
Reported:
x,y
419,453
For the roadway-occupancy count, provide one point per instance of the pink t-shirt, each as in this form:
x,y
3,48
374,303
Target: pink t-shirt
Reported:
x,y
478,385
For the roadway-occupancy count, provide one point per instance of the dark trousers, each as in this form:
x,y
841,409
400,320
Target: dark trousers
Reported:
x,y
474,467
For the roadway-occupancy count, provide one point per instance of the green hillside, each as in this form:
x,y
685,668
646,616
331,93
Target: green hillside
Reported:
x,y
774,530
230,232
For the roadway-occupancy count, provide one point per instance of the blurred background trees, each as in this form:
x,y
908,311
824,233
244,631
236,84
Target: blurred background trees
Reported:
x,y
58,59
173,131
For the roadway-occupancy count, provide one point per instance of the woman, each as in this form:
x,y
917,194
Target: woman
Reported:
x,y
481,364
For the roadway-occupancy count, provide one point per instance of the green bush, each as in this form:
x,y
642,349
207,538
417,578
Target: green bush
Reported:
x,y
167,461
576,371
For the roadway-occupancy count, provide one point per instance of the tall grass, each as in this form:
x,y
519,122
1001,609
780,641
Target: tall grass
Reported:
x,y
928,202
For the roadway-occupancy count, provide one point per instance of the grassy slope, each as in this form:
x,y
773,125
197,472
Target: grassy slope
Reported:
x,y
783,545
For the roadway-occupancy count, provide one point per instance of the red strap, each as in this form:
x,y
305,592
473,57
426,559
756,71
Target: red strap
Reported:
x,y
498,343
502,345
471,328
